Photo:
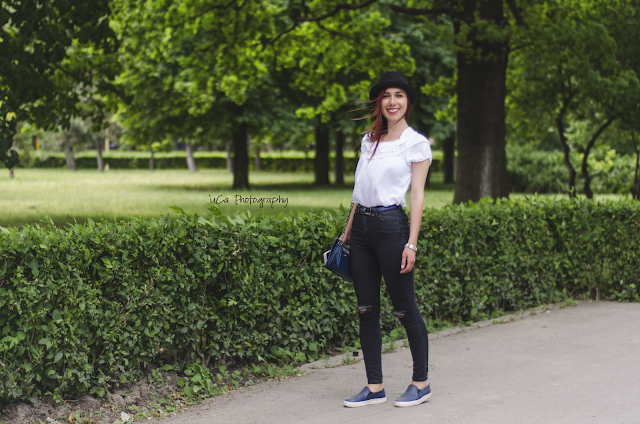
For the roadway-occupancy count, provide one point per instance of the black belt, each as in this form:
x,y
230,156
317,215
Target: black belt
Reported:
x,y
372,211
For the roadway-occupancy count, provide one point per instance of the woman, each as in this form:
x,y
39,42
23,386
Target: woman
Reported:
x,y
393,157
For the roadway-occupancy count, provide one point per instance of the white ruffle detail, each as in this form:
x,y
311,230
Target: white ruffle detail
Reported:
x,y
419,152
408,139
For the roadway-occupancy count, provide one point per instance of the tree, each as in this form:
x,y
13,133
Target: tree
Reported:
x,y
190,73
626,33
223,65
78,134
157,107
571,72
55,61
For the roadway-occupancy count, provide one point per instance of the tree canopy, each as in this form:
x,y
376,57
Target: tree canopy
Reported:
x,y
55,61
203,71
576,66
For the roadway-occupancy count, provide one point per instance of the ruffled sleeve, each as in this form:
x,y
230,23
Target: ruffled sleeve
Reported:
x,y
365,146
420,151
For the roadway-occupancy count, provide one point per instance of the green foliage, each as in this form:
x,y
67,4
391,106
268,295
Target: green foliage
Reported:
x,y
576,73
532,170
201,381
487,257
86,308
198,71
53,54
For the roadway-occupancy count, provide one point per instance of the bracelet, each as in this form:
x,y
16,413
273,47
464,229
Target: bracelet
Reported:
x,y
412,247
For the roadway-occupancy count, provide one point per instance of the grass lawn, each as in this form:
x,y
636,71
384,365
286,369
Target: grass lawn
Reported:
x,y
65,196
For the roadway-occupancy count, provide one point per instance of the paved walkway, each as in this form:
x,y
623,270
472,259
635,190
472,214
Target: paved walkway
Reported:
x,y
573,365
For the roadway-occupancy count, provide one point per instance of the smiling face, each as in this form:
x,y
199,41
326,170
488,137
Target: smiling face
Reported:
x,y
394,104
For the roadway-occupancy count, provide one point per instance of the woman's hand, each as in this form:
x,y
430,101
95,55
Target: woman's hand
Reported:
x,y
408,259
345,237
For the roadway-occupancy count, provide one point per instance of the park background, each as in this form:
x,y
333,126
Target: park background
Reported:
x,y
120,120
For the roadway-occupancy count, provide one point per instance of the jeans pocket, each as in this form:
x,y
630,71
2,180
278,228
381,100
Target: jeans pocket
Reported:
x,y
389,216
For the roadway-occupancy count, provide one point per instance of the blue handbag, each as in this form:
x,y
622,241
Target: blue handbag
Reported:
x,y
336,259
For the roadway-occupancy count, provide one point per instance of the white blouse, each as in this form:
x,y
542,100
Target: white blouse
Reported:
x,y
385,179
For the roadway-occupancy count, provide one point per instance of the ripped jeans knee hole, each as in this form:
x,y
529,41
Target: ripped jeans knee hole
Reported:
x,y
364,308
399,314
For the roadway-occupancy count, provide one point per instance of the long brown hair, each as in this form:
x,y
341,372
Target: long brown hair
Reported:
x,y
378,127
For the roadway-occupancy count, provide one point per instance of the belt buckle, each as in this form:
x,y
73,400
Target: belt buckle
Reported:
x,y
367,211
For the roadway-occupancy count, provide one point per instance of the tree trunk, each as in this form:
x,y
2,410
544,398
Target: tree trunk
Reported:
x,y
71,161
152,164
449,153
635,191
321,161
191,162
585,156
11,159
481,90
566,157
240,157
339,163
257,161
99,144
228,148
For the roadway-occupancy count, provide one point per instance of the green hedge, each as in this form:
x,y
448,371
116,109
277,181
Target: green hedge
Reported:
x,y
204,160
180,162
86,307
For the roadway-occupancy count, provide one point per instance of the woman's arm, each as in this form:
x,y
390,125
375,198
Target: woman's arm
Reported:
x,y
346,235
419,172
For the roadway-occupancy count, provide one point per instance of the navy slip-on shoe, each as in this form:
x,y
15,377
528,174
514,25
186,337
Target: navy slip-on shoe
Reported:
x,y
365,397
413,396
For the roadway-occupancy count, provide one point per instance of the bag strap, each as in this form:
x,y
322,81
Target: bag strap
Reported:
x,y
346,221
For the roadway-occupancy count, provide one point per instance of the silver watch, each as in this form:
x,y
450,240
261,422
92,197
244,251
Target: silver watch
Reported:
x,y
412,247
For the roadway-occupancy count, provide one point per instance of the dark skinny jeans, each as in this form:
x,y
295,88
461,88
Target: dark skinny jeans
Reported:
x,y
376,247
